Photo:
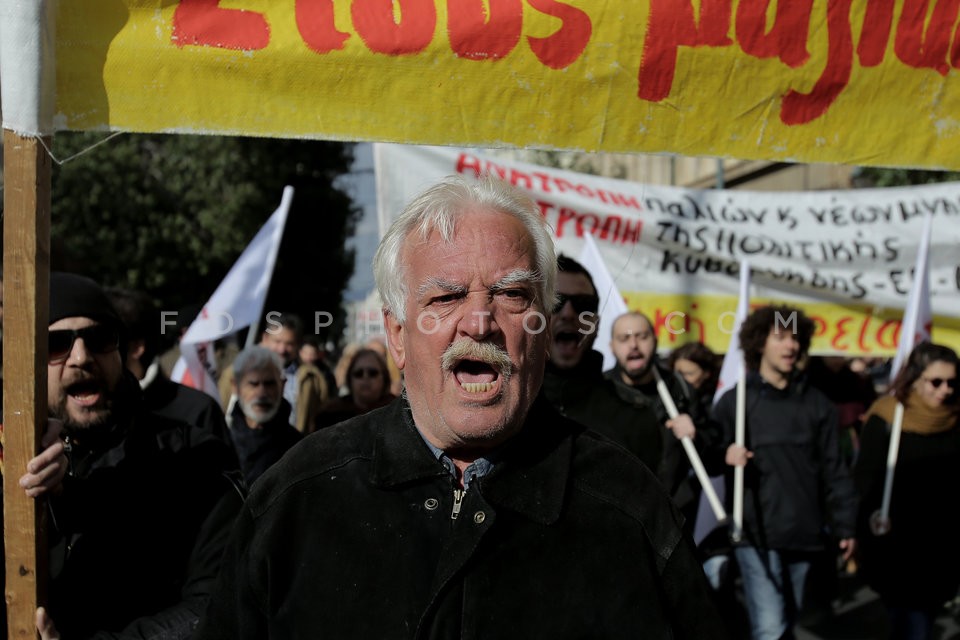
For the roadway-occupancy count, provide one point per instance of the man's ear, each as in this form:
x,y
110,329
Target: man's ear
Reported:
x,y
135,349
396,335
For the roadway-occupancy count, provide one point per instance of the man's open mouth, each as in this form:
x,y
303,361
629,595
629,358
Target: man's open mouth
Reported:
x,y
568,338
86,393
475,376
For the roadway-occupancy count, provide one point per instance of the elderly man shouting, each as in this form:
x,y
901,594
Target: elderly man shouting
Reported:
x,y
468,508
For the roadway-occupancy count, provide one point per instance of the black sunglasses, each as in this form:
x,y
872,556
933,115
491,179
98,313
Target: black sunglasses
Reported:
x,y
582,302
365,373
97,339
936,382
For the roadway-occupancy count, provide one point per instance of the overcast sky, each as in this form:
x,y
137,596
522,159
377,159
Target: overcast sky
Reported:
x,y
362,187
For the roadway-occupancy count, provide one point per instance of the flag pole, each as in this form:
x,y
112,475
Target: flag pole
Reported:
x,y
914,329
734,371
690,449
740,432
880,520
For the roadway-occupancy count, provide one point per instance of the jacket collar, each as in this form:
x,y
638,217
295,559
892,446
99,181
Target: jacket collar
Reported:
x,y
399,453
529,478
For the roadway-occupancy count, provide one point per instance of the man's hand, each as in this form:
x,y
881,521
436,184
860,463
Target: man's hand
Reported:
x,y
682,426
45,472
45,626
848,545
738,456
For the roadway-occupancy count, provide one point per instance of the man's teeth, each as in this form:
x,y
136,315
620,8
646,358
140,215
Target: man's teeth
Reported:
x,y
477,387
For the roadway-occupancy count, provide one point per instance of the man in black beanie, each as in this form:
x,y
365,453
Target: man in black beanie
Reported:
x,y
139,510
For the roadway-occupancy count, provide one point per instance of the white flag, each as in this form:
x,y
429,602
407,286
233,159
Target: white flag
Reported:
x,y
237,303
611,302
733,360
917,317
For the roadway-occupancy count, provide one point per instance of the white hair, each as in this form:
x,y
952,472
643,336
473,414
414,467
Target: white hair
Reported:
x,y
437,209
256,359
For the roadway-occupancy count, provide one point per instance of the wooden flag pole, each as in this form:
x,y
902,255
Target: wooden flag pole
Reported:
x,y
26,275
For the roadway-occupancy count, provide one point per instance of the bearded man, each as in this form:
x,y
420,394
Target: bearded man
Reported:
x,y
139,506
260,420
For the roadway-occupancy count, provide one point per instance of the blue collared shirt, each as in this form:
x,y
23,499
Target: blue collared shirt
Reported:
x,y
477,469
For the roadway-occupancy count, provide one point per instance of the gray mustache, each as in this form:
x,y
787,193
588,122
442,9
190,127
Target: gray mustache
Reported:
x,y
486,352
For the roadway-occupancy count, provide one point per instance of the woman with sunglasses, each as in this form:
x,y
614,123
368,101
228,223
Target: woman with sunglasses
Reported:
x,y
915,566
368,381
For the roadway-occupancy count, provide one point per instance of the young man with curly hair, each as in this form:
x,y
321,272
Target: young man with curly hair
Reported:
x,y
797,491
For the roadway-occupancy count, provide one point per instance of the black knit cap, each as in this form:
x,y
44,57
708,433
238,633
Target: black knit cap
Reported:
x,y
73,295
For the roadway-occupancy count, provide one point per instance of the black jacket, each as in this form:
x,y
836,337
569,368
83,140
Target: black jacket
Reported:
x,y
673,468
351,536
582,395
137,535
796,487
179,402
258,449
917,564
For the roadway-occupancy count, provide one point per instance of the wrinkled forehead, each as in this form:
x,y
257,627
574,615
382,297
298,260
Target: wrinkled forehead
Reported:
x,y
440,242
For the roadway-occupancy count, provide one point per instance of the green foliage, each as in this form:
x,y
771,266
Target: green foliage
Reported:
x,y
169,214
876,177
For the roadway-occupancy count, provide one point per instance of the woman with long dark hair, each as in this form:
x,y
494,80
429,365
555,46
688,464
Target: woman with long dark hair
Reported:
x,y
915,565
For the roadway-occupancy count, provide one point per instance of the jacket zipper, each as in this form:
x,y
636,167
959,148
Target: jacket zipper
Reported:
x,y
68,452
457,503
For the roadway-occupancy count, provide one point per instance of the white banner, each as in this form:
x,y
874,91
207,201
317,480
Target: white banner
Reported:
x,y
853,248
27,65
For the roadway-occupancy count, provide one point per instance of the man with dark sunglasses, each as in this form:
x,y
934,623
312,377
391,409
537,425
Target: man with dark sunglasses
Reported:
x,y
574,381
139,509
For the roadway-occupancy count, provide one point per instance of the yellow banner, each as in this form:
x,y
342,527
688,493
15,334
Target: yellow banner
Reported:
x,y
849,81
850,330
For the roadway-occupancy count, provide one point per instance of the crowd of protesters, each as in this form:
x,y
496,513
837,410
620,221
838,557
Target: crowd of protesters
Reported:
x,y
362,519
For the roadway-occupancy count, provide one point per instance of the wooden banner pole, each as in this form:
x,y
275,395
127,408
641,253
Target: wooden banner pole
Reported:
x,y
26,279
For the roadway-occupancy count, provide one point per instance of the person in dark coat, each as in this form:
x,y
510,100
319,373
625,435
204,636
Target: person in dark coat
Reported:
x,y
468,508
260,418
574,383
798,495
139,508
161,395
913,561
634,343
